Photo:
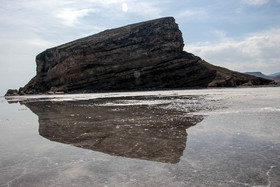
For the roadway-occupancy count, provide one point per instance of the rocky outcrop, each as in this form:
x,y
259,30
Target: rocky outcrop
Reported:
x,y
12,92
146,55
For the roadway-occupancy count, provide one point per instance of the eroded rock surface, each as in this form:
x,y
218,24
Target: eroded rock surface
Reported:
x,y
147,55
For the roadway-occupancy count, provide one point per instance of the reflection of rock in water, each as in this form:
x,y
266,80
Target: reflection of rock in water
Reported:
x,y
154,132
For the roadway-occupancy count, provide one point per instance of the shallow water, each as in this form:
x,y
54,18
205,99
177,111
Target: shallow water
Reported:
x,y
214,137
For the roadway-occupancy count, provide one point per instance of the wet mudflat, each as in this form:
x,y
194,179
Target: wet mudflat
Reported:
x,y
219,137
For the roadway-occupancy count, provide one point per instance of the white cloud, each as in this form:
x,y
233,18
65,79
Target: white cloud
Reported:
x,y
255,2
38,42
148,10
191,13
197,14
256,52
187,13
70,16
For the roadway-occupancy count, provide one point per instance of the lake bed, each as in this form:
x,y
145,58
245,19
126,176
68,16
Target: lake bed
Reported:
x,y
211,137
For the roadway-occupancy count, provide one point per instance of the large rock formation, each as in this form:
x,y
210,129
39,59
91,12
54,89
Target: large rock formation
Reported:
x,y
146,55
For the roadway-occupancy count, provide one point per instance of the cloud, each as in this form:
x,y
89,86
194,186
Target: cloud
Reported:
x,y
148,10
255,2
255,52
187,13
38,42
191,14
70,16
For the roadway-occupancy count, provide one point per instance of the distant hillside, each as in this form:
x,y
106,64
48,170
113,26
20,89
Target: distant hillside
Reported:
x,y
274,74
259,74
277,79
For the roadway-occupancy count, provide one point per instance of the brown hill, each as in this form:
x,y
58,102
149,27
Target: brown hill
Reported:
x,y
147,55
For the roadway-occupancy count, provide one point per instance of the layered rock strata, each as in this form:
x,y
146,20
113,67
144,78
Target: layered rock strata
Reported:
x,y
147,55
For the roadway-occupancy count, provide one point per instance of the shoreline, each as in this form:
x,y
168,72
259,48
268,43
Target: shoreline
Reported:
x,y
97,95
141,90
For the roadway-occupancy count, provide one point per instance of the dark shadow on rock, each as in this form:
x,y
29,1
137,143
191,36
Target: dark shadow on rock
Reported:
x,y
149,128
147,55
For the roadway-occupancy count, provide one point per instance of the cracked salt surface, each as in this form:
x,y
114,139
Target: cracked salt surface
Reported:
x,y
268,175
237,143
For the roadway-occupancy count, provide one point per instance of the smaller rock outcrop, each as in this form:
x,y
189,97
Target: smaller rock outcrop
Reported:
x,y
12,92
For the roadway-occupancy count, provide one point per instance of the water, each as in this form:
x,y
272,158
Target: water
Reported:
x,y
214,137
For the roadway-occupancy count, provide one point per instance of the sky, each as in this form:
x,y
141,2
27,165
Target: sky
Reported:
x,y
241,35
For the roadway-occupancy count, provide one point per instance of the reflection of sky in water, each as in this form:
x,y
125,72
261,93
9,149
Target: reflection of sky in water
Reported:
x,y
237,144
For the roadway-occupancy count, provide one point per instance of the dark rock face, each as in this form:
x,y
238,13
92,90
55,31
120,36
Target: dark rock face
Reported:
x,y
11,92
139,56
139,130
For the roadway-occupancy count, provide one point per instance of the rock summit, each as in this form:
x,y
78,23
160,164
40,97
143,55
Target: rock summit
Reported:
x,y
147,55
